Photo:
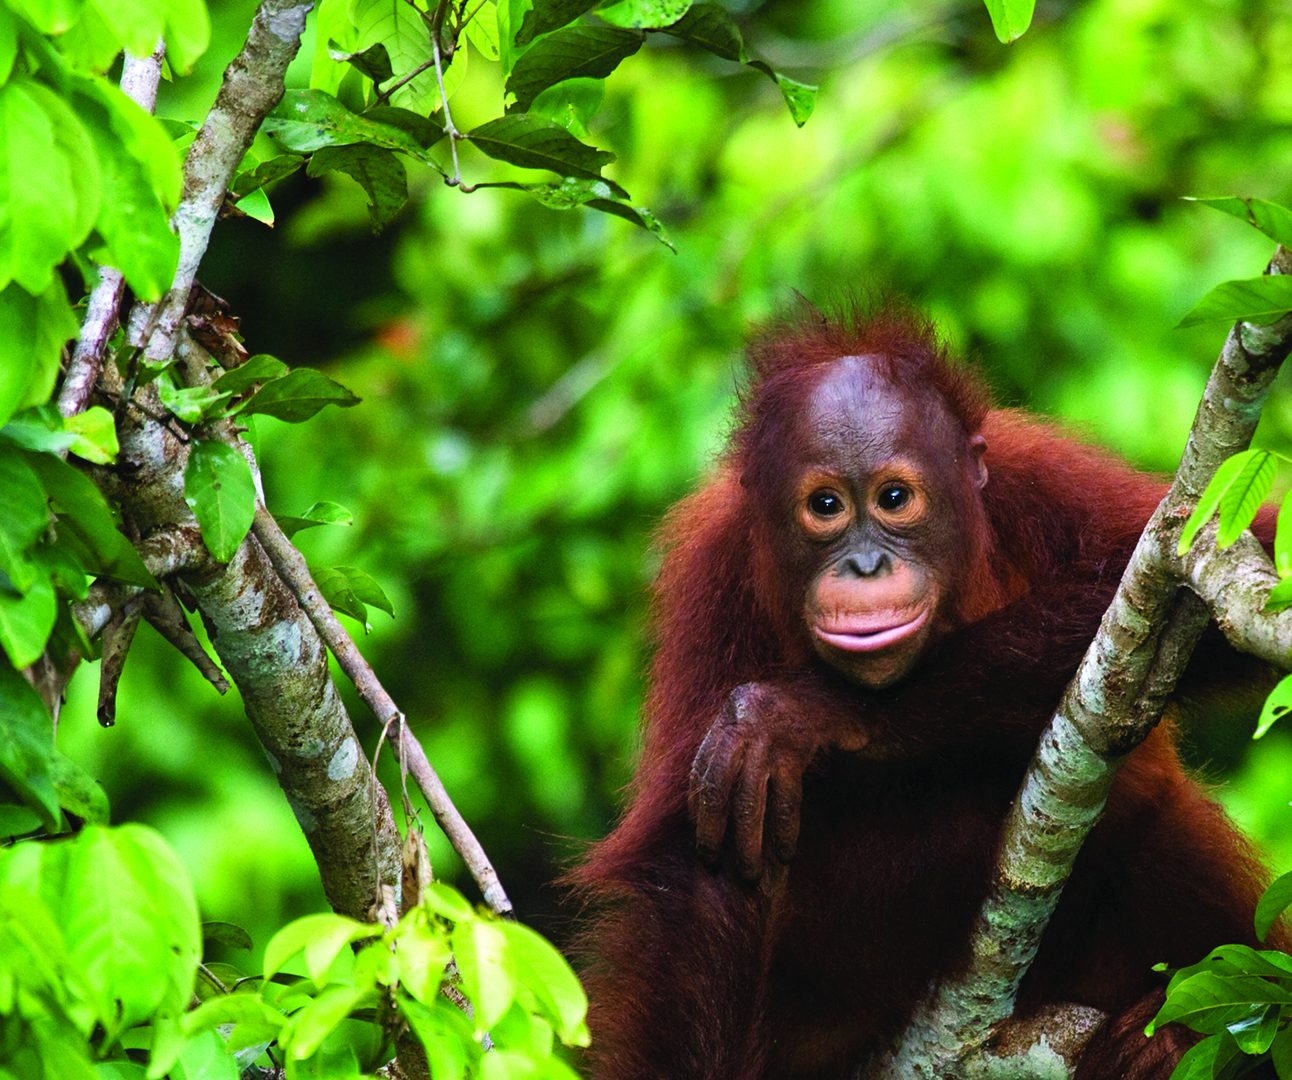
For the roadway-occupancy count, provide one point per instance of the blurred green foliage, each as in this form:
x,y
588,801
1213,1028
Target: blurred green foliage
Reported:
x,y
539,386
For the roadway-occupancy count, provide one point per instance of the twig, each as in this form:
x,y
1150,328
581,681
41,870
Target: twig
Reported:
x,y
292,568
139,79
385,95
165,615
450,129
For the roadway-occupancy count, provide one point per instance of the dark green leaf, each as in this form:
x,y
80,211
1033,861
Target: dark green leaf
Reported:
x,y
534,143
298,395
427,131
17,820
264,173
26,620
226,933
1273,220
1281,1054
379,172
321,513
645,14
1210,1003
78,792
82,511
374,61
336,590
577,52
1260,300
27,746
1210,498
711,28
1010,18
259,368
595,194
24,517
549,15
1243,497
219,489
366,588
1276,900
307,120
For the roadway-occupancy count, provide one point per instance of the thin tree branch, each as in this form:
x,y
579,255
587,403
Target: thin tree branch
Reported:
x,y
292,568
139,79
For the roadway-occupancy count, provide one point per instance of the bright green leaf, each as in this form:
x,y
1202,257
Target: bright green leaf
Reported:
x,y
482,31
1276,706
1283,538
1276,900
644,14
320,938
48,16
399,27
1209,500
447,902
423,952
8,42
1209,1003
219,489
1280,597
256,206
488,975
1255,1034
546,974
259,368
188,33
577,52
191,404
1273,220
306,1030
1243,497
27,746
1259,300
33,331
1010,18
298,395
95,433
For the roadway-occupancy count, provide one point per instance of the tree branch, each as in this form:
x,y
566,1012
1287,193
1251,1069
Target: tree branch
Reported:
x,y
1112,703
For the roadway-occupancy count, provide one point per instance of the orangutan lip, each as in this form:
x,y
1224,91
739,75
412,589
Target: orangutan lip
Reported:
x,y
870,638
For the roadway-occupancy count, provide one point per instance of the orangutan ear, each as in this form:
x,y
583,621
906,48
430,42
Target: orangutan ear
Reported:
x,y
978,447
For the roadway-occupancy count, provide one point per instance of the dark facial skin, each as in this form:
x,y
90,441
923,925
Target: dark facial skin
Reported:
x,y
879,506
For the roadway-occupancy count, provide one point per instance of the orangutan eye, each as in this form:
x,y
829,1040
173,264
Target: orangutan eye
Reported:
x,y
825,503
893,497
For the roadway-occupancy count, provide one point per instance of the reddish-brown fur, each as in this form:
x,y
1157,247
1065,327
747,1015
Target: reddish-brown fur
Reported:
x,y
697,973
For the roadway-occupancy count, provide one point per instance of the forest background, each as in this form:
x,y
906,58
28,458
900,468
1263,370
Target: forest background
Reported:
x,y
538,386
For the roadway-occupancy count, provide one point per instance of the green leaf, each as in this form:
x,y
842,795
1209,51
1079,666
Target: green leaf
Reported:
x,y
555,987
645,14
534,143
426,131
298,395
711,28
1273,220
577,52
1276,705
488,976
191,404
548,15
33,330
220,491
263,173
204,1057
1259,300
446,902
73,140
445,1034
256,206
1210,1003
94,435
188,33
340,596
320,938
1283,538
365,587
78,792
8,43
595,195
1198,1062
257,369
307,120
1280,597
1281,1054
82,511
1276,899
48,16
37,190
379,172
26,620
1243,497
27,747
306,1030
1209,500
321,513
130,922
423,951
373,62
1010,18
482,32
140,177
24,517
225,933
135,24
399,27
17,821
1255,1034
